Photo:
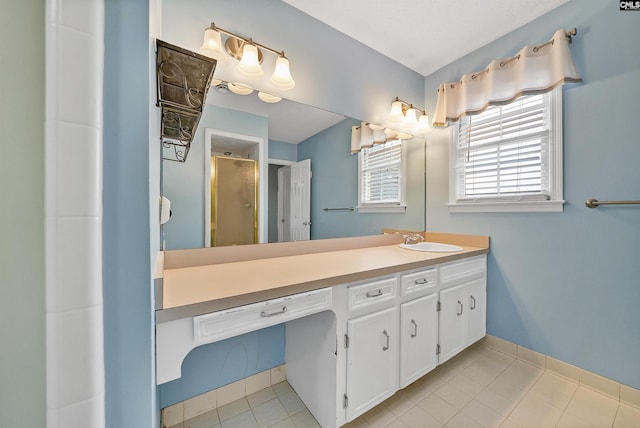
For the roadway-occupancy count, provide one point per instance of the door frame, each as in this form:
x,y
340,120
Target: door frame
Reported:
x,y
263,176
279,162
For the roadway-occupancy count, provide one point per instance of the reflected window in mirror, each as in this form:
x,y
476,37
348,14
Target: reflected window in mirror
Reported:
x,y
381,177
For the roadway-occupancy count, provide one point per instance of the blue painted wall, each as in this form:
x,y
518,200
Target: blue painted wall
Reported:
x,y
130,392
334,184
283,151
566,284
224,362
183,183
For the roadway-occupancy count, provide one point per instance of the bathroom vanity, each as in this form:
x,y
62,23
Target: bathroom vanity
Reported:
x,y
364,317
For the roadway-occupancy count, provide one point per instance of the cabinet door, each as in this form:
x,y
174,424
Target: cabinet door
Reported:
x,y
371,360
418,338
476,315
453,304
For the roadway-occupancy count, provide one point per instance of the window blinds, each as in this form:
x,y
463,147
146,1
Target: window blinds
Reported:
x,y
503,152
381,173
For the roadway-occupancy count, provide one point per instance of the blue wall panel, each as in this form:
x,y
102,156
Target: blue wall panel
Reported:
x,y
566,284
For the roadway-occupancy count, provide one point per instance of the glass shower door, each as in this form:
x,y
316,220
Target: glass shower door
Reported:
x,y
234,192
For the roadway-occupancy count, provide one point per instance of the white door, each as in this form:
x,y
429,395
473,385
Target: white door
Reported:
x,y
300,200
418,338
452,321
284,186
371,360
477,314
294,202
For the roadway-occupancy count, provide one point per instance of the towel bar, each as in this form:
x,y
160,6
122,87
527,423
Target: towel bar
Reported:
x,y
594,203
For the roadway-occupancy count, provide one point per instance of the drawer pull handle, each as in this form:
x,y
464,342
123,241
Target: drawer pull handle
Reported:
x,y
270,314
421,281
376,293
473,303
386,347
415,329
460,306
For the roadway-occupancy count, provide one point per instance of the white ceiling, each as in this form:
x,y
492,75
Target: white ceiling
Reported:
x,y
425,35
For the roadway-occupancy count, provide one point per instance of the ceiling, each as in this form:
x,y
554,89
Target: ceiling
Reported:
x,y
425,35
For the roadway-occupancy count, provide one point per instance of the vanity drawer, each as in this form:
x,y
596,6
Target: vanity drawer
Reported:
x,y
371,293
422,281
242,319
463,270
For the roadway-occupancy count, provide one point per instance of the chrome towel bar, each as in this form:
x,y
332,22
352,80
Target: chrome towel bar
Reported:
x,y
594,203
339,209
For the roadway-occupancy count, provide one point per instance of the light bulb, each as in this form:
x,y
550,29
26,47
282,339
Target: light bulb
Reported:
x,y
395,115
249,65
212,44
423,123
282,75
410,119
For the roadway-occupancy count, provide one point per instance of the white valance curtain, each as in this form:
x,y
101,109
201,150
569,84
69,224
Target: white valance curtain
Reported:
x,y
535,69
368,134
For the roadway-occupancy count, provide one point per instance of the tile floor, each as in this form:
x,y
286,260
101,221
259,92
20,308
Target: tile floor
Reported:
x,y
480,387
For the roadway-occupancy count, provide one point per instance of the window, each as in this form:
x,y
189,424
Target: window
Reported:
x,y
381,186
509,157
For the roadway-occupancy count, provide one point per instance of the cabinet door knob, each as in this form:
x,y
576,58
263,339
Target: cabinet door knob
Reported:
x,y
460,308
473,303
386,347
415,329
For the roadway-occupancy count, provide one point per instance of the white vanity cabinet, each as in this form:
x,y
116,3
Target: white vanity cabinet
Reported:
x,y
371,360
463,300
418,338
418,324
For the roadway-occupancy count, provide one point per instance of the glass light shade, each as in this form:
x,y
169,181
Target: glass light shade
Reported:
x,y
249,65
268,98
212,45
423,123
395,115
282,75
410,119
239,89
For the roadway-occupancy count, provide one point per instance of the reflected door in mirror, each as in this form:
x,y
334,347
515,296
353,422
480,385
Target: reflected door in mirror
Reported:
x,y
294,201
234,192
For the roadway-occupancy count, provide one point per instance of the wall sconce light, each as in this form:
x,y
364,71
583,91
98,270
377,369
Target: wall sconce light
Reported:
x,y
249,55
406,115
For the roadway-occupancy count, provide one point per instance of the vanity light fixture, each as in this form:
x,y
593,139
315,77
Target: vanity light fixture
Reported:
x,y
407,116
248,53
239,89
268,98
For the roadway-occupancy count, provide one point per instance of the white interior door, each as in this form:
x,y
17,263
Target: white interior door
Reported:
x,y
294,202
300,200
284,192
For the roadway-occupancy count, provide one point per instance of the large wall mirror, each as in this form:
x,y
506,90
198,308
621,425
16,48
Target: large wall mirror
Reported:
x,y
250,157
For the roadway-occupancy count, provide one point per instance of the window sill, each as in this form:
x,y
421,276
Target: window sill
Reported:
x,y
382,208
508,207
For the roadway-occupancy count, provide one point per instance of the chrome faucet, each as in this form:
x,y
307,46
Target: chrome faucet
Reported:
x,y
412,238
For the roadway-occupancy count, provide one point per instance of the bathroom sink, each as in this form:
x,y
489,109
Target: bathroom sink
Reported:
x,y
435,247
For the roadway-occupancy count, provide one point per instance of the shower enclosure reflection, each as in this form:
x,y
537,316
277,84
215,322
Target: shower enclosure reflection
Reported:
x,y
234,197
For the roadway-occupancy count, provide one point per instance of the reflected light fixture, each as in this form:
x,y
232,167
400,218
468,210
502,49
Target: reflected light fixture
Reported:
x,y
407,116
248,53
268,98
239,89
